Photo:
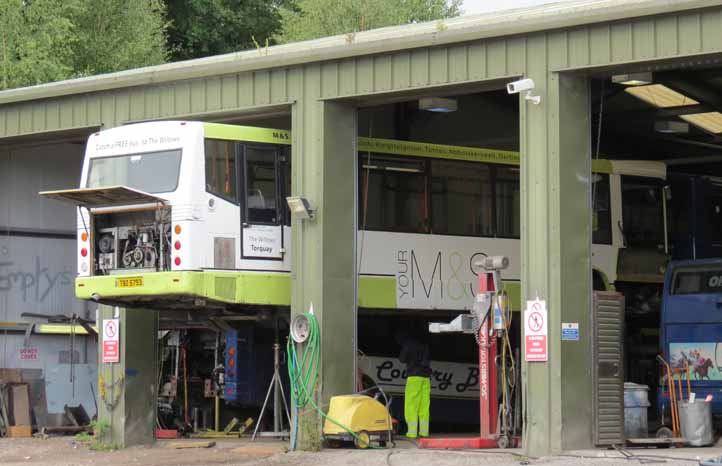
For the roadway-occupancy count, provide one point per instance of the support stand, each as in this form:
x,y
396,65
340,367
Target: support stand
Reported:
x,y
277,388
489,435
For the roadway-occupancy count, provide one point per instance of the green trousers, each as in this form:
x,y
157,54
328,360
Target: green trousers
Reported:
x,y
416,406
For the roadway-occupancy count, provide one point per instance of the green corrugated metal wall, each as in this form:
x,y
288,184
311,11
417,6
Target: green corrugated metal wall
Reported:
x,y
652,38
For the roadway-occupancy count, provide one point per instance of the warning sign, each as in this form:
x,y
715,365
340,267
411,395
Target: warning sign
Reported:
x,y
535,331
111,340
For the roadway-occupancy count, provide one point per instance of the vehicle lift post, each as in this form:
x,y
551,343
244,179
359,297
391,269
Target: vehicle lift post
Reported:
x,y
489,283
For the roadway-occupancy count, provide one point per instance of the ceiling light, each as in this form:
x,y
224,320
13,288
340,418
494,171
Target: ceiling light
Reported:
x,y
671,127
438,104
710,121
300,207
661,96
633,79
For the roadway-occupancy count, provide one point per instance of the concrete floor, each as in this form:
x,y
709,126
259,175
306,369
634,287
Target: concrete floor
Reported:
x,y
64,451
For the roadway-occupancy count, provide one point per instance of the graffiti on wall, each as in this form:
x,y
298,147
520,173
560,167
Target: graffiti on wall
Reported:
x,y
33,280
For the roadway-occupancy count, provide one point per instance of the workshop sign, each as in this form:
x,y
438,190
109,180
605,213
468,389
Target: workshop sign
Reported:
x,y
111,340
535,331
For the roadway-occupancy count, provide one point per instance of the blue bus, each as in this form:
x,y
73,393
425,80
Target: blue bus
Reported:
x,y
691,329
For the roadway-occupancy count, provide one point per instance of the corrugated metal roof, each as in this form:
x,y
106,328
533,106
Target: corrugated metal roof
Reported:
x,y
461,29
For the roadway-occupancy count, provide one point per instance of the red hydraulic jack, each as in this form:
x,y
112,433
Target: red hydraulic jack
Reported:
x,y
488,412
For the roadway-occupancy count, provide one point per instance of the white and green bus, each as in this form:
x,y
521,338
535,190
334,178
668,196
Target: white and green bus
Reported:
x,y
182,215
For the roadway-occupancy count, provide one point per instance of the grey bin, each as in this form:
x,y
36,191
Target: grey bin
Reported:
x,y
695,419
636,403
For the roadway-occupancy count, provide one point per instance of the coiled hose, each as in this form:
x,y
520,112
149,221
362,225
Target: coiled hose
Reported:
x,y
303,377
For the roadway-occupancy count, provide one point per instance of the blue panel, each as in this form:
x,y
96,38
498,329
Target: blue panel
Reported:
x,y
240,367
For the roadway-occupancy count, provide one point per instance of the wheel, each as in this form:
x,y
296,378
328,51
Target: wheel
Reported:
x,y
664,432
362,440
502,442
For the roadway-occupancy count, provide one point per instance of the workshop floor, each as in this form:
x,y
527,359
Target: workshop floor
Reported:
x,y
63,451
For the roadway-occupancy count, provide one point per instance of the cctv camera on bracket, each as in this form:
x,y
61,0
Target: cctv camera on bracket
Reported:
x,y
522,85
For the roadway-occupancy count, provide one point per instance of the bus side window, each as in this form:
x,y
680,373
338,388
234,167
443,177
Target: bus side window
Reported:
x,y
220,158
261,185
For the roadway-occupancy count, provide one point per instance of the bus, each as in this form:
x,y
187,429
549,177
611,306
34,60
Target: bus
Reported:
x,y
188,215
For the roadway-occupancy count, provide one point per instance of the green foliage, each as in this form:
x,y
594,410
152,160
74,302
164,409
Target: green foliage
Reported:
x,y
114,35
51,40
310,19
97,440
199,28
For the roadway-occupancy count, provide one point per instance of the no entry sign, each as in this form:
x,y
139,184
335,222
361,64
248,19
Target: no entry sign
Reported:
x,y
535,331
111,340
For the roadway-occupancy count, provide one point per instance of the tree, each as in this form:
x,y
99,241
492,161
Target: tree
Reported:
x,y
199,28
36,40
310,19
115,35
51,40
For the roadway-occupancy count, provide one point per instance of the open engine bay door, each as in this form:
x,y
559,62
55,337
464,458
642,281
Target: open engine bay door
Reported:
x,y
103,197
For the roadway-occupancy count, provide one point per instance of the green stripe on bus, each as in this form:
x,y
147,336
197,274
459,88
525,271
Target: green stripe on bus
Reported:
x,y
377,292
261,288
439,151
246,133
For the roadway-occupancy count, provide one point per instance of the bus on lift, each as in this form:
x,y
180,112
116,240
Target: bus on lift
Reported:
x,y
192,215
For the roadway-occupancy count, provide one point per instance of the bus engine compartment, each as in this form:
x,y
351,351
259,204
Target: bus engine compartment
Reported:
x,y
137,240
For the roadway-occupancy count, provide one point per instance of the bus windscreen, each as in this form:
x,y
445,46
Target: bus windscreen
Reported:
x,y
700,281
151,172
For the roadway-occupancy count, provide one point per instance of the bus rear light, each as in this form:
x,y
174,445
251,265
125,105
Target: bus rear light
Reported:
x,y
177,245
177,261
84,252
84,236
177,229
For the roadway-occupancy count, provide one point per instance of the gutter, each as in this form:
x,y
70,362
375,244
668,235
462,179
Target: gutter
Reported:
x,y
384,40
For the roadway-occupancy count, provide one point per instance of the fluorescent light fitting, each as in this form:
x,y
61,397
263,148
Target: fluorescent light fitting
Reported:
x,y
438,104
710,121
300,208
661,96
633,79
671,127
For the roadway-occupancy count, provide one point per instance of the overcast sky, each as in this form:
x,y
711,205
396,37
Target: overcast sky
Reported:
x,y
481,6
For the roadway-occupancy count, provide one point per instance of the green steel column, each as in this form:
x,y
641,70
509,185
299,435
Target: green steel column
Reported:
x,y
556,259
127,389
323,268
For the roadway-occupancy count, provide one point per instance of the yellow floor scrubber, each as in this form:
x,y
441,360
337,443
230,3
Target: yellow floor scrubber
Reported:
x,y
369,420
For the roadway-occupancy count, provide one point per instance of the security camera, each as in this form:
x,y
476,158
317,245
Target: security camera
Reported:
x,y
520,86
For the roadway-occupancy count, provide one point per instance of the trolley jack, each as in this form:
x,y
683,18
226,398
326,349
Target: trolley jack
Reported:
x,y
494,433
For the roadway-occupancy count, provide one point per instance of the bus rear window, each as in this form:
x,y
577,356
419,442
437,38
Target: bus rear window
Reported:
x,y
152,172
702,281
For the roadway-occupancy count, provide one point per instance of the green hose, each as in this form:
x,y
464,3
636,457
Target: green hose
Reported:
x,y
303,376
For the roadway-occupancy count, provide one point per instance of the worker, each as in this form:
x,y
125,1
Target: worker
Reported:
x,y
417,396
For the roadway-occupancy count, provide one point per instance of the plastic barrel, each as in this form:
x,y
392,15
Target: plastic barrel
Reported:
x,y
636,403
696,422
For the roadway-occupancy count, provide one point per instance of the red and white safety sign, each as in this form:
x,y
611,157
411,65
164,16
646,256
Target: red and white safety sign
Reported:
x,y
111,340
535,331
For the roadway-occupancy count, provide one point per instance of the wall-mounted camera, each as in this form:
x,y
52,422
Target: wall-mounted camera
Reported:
x,y
523,85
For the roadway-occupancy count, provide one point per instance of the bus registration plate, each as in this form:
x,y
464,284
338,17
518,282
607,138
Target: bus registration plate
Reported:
x,y
131,282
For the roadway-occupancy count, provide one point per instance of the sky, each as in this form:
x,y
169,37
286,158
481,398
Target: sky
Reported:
x,y
481,6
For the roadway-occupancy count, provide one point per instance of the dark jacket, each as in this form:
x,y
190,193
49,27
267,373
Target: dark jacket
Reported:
x,y
415,355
